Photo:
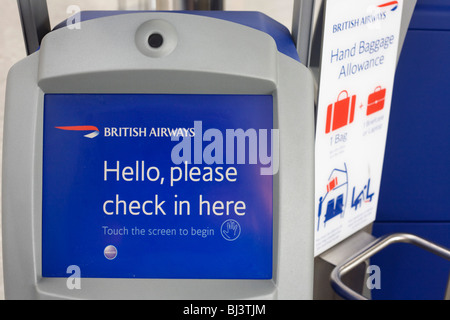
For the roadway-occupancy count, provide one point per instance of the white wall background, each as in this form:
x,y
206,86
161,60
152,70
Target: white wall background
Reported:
x,y
13,49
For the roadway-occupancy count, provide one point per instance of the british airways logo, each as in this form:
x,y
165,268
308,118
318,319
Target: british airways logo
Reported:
x,y
393,5
93,131
375,14
130,132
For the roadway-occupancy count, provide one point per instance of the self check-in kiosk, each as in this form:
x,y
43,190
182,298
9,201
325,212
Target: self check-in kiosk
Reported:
x,y
198,154
160,155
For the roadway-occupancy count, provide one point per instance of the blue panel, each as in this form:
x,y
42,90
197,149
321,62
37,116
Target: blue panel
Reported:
x,y
255,20
414,189
416,171
120,203
431,15
408,272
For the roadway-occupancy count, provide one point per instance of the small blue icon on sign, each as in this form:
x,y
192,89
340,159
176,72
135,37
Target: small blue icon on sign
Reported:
x,y
336,197
230,230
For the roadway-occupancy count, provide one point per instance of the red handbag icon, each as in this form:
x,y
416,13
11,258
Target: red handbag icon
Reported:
x,y
376,101
341,113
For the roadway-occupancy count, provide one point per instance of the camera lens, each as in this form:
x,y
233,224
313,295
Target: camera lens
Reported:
x,y
155,40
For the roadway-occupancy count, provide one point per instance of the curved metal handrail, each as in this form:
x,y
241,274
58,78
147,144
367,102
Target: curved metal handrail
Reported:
x,y
373,248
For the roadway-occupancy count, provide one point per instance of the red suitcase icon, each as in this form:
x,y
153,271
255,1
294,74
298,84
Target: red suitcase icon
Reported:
x,y
332,184
376,101
341,113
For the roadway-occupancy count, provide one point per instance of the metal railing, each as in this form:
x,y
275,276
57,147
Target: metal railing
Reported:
x,y
373,248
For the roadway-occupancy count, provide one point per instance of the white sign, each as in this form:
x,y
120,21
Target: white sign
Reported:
x,y
359,58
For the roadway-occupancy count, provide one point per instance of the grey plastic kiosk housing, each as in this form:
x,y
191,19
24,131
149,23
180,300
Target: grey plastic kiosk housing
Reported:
x,y
200,55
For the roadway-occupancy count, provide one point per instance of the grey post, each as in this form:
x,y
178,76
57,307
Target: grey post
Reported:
x,y
35,22
301,28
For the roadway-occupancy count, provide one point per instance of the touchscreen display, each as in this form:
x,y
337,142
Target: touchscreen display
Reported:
x,y
158,186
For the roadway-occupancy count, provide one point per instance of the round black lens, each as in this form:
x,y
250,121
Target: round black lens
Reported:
x,y
155,40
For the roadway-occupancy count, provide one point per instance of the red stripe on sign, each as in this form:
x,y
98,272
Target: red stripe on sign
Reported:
x,y
387,4
79,128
